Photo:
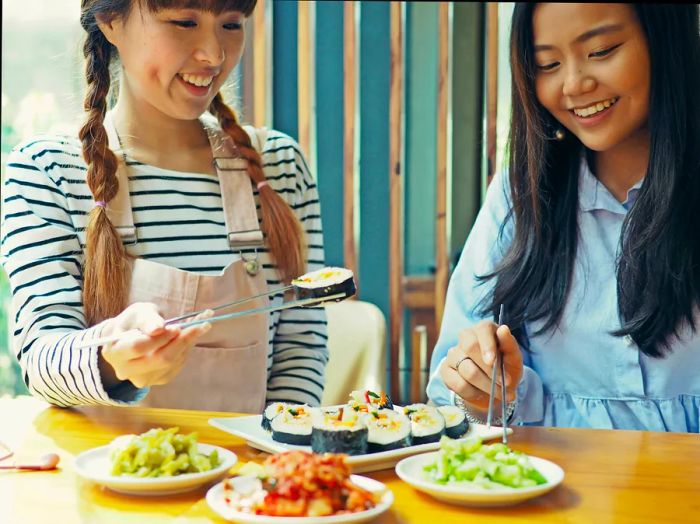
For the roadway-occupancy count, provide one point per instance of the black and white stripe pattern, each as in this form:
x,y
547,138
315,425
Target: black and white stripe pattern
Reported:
x,y
179,222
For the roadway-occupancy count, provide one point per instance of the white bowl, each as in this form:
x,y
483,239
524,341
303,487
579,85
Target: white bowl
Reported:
x,y
215,498
410,470
95,465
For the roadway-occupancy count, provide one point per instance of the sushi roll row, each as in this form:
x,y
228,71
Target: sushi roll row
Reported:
x,y
348,430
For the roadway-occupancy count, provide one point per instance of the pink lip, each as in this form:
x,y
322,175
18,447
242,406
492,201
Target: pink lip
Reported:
x,y
595,119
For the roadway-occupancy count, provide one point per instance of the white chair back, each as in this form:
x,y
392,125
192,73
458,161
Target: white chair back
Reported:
x,y
357,347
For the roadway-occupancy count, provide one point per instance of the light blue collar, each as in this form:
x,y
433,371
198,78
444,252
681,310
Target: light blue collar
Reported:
x,y
595,196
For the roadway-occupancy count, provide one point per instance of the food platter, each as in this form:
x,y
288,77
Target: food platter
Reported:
x,y
249,428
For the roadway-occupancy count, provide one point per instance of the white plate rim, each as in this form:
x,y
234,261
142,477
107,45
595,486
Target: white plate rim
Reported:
x,y
467,491
228,460
364,482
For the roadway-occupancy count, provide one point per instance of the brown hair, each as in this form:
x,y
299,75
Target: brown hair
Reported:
x,y
104,268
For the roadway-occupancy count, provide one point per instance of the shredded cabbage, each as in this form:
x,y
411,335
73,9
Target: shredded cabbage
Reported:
x,y
488,466
160,453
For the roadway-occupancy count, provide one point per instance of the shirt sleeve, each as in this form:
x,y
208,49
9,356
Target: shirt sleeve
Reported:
x,y
299,347
484,248
42,256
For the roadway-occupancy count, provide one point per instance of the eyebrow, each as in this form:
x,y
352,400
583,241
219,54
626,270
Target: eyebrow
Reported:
x,y
603,29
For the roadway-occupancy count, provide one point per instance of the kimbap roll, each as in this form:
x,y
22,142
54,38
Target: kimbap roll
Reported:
x,y
271,411
388,429
456,424
338,430
293,425
367,401
427,424
325,282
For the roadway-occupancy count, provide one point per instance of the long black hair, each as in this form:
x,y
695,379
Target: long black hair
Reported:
x,y
658,266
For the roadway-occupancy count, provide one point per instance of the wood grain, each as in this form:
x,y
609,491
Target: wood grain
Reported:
x,y
349,130
610,476
396,173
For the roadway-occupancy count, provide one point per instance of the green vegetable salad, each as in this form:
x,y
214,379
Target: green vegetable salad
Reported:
x,y
159,453
488,466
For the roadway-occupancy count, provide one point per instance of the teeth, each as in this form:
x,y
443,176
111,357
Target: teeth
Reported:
x,y
197,80
595,108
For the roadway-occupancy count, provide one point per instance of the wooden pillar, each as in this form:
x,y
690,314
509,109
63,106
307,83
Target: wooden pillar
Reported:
x,y
261,91
349,129
442,261
396,168
305,78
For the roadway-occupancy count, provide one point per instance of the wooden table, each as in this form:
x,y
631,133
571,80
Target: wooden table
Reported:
x,y
611,476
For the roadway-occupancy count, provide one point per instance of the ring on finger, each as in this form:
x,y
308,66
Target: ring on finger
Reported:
x,y
456,368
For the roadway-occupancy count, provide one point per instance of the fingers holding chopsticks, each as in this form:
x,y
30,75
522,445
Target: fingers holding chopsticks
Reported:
x,y
468,367
148,352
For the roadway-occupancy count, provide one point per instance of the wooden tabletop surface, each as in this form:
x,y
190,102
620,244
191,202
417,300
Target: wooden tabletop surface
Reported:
x,y
611,476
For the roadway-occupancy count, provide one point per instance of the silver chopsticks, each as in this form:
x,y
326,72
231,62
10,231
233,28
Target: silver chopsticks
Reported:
x,y
230,304
266,309
499,362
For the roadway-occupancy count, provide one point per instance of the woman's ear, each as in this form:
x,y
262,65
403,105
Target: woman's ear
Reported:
x,y
111,27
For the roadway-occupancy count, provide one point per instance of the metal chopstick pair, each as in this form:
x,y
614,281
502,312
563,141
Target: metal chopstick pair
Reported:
x,y
266,309
499,362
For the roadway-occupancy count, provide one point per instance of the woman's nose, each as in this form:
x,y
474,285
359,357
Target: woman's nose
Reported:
x,y
210,50
577,82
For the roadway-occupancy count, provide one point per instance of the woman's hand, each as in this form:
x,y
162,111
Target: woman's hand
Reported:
x,y
467,368
149,358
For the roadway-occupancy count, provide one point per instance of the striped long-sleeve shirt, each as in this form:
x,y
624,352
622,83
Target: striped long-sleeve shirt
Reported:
x,y
179,222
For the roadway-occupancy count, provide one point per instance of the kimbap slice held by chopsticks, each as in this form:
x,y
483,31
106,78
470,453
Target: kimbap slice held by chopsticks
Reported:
x,y
293,425
427,423
456,423
338,430
388,430
325,282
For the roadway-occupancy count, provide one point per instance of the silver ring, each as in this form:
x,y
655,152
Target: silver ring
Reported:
x,y
456,368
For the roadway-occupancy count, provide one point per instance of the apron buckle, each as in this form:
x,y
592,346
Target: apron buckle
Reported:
x,y
251,263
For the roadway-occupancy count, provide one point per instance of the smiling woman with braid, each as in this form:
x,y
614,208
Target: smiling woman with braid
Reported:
x,y
162,205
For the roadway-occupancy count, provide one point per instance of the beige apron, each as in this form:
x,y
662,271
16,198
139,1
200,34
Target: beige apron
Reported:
x,y
227,369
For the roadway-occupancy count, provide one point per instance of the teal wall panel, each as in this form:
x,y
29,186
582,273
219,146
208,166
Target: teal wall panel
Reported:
x,y
421,136
374,154
329,125
285,112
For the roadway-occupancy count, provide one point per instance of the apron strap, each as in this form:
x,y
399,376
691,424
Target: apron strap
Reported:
x,y
240,214
119,208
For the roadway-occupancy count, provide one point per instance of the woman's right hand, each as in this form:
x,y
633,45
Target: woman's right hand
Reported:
x,y
468,366
150,353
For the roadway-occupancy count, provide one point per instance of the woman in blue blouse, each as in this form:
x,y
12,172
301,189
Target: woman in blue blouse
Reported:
x,y
592,240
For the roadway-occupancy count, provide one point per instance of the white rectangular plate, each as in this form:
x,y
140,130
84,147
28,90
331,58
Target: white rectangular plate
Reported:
x,y
249,429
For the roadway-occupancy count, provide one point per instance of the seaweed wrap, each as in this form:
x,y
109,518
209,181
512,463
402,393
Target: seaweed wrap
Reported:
x,y
293,425
338,430
456,423
325,282
388,429
427,423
